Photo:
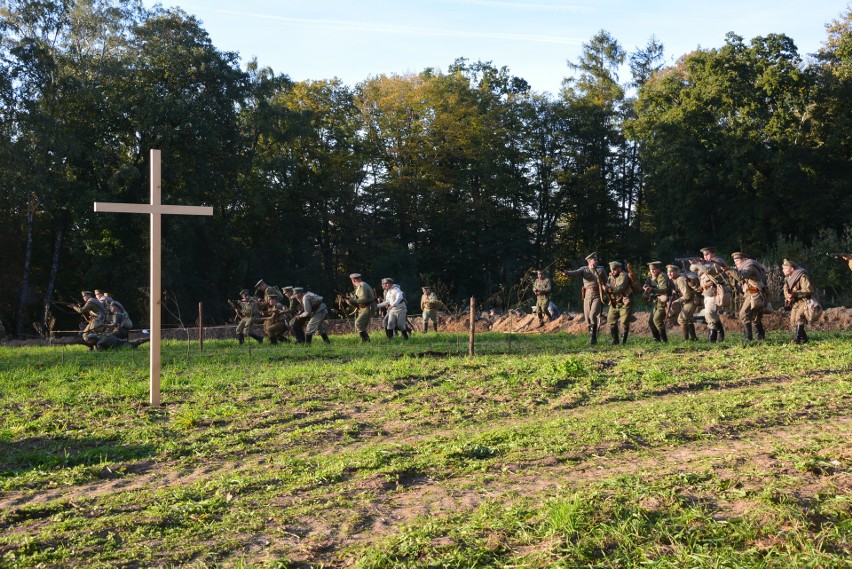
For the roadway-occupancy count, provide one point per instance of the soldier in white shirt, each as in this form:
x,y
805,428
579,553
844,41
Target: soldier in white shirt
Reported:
x,y
394,301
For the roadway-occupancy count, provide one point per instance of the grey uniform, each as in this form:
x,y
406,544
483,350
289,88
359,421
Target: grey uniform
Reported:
x,y
592,303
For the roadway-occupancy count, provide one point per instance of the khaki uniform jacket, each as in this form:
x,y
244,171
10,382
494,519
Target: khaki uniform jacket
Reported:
x,y
590,279
363,295
753,277
542,287
661,287
621,289
685,292
429,302
798,287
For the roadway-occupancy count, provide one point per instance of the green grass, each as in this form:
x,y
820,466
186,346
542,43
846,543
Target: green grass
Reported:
x,y
537,452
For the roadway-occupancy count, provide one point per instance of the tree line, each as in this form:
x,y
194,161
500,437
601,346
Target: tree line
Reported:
x,y
464,179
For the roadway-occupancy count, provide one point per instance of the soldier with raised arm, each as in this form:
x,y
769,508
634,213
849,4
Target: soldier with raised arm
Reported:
x,y
93,311
685,296
710,272
593,282
249,314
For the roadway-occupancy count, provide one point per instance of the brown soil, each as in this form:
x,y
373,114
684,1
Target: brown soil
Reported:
x,y
833,319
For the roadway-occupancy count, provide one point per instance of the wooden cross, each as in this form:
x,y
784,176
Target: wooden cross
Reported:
x,y
156,210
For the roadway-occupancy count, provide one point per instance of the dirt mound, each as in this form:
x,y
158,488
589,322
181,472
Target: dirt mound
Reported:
x,y
833,319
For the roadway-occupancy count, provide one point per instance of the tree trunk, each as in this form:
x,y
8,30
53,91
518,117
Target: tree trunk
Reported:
x,y
54,270
25,281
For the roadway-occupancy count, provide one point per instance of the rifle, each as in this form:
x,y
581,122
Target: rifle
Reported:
x,y
844,256
236,306
602,288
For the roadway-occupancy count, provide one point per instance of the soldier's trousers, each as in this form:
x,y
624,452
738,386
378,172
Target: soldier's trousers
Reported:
x,y
317,322
592,309
658,315
244,326
797,313
687,309
751,311
274,329
430,315
396,319
711,313
362,320
619,314
541,303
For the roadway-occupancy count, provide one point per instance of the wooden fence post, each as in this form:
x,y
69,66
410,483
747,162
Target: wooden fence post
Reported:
x,y
200,326
472,326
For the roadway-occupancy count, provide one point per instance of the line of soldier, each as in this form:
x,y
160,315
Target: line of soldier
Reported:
x,y
107,323
677,293
306,312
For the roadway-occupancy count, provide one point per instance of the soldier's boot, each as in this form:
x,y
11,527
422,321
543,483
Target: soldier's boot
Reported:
x,y
761,331
540,321
389,333
325,338
257,337
684,328
435,325
747,333
721,330
713,335
425,326
308,338
593,335
804,335
654,331
241,338
284,339
136,343
364,337
664,335
405,334
613,331
624,335
692,335
273,340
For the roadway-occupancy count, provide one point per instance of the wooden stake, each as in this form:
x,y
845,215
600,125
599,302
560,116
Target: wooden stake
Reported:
x,y
472,326
200,327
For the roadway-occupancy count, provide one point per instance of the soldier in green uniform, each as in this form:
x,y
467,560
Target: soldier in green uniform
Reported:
x,y
249,315
542,288
93,311
798,289
104,341
593,282
657,290
620,291
268,291
753,281
365,299
685,295
275,322
429,304
118,322
314,313
297,327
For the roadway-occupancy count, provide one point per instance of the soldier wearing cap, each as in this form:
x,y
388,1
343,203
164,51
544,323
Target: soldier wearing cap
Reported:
x,y
397,311
249,314
753,281
118,322
798,289
365,299
429,304
268,291
657,291
93,311
313,313
620,292
592,292
710,273
685,294
275,323
542,288
296,326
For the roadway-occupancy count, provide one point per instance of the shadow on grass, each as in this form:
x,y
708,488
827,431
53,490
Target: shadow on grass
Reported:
x,y
42,453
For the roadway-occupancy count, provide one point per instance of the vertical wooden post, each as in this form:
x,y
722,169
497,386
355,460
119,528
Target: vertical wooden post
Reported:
x,y
200,326
156,300
472,326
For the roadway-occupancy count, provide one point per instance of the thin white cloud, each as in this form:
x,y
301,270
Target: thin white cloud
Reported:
x,y
561,7
349,25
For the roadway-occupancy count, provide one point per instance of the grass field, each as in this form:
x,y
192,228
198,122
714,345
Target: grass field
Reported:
x,y
537,452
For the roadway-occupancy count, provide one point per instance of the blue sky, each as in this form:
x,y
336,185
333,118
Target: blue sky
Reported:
x,y
357,39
